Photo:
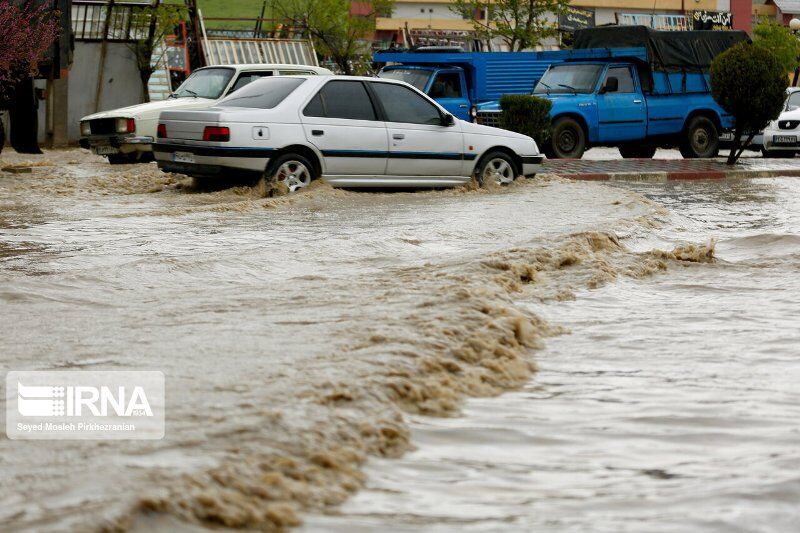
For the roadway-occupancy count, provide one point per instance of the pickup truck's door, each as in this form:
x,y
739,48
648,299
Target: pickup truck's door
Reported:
x,y
622,113
449,89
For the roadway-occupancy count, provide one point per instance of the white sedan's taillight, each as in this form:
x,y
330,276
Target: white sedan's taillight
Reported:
x,y
126,125
85,128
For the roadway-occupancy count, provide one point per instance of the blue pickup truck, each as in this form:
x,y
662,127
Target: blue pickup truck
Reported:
x,y
654,93
460,81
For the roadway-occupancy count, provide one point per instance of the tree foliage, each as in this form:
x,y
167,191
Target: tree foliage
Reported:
x,y
160,21
780,41
337,32
526,114
521,24
749,82
26,34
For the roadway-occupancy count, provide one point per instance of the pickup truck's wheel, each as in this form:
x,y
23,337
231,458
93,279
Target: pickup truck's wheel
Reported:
x,y
567,141
496,167
292,170
701,139
630,151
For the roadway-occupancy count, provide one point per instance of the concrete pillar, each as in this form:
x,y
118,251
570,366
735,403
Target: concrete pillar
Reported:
x,y
60,111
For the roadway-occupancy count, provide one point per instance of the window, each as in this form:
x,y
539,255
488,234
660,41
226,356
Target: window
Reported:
x,y
247,77
623,75
265,94
793,102
341,99
446,86
568,78
404,105
205,83
418,77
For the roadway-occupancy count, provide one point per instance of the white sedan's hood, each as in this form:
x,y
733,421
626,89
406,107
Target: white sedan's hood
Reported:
x,y
152,109
480,129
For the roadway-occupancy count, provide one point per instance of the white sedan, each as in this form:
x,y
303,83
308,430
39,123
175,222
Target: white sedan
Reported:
x,y
782,136
126,135
349,131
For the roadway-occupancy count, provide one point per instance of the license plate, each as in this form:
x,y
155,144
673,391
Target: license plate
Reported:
x,y
183,157
726,137
785,139
107,150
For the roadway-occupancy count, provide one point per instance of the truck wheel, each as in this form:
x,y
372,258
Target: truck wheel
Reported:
x,y
629,151
567,141
701,139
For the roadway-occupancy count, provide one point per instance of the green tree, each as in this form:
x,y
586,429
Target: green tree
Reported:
x,y
337,32
749,82
158,20
780,41
521,24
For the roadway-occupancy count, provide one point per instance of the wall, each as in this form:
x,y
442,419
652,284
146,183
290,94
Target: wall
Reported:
x,y
121,85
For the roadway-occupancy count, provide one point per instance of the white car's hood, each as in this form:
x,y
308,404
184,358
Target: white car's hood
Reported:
x,y
152,109
480,129
794,114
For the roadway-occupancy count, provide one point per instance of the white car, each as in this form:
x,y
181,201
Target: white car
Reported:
x,y
349,131
126,135
782,136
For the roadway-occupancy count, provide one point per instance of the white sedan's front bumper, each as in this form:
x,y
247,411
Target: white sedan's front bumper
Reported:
x,y
781,139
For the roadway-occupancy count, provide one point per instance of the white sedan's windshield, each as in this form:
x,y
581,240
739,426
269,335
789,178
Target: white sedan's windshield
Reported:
x,y
413,76
569,79
206,83
793,102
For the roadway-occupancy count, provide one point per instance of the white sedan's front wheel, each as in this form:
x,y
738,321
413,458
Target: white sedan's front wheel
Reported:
x,y
496,167
292,170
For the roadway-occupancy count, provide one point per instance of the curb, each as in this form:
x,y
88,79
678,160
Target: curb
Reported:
x,y
660,177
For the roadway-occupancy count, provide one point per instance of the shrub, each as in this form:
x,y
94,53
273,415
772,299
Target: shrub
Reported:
x,y
749,82
526,114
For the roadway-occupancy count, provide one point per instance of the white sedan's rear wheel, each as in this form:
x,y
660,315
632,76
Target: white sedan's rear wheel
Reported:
x,y
496,167
292,170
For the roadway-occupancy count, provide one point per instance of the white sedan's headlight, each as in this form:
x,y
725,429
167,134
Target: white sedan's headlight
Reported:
x,y
86,130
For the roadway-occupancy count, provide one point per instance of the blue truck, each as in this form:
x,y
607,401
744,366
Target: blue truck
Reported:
x,y
460,81
653,91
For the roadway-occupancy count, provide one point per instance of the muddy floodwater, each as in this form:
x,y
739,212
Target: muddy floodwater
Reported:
x,y
549,356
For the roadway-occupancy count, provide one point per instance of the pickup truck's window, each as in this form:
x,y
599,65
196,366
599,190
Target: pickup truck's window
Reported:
x,y
417,77
262,94
401,104
623,75
566,79
205,83
247,77
446,85
793,102
341,99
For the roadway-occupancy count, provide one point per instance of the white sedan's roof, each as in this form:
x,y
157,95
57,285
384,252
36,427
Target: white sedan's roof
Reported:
x,y
272,66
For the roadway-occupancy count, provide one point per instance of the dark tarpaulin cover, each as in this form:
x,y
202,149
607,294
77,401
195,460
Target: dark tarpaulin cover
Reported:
x,y
670,51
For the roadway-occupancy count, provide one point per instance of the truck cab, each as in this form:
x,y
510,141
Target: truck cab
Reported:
x,y
446,85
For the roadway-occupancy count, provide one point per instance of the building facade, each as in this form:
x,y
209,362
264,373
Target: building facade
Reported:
x,y
433,22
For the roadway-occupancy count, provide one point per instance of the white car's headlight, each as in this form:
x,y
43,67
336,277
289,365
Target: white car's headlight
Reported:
x,y
126,125
86,130
773,125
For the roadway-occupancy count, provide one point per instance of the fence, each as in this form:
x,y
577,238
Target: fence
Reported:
x,y
94,20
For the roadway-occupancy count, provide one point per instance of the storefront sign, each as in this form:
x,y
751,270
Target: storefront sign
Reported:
x,y
711,20
576,19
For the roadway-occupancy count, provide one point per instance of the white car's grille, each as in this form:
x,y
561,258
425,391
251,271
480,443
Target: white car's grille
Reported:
x,y
488,118
788,124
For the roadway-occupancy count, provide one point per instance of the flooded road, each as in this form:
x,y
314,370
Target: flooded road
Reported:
x,y
671,405
299,336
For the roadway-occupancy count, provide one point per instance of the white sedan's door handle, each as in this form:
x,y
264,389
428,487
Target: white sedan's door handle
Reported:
x,y
398,136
